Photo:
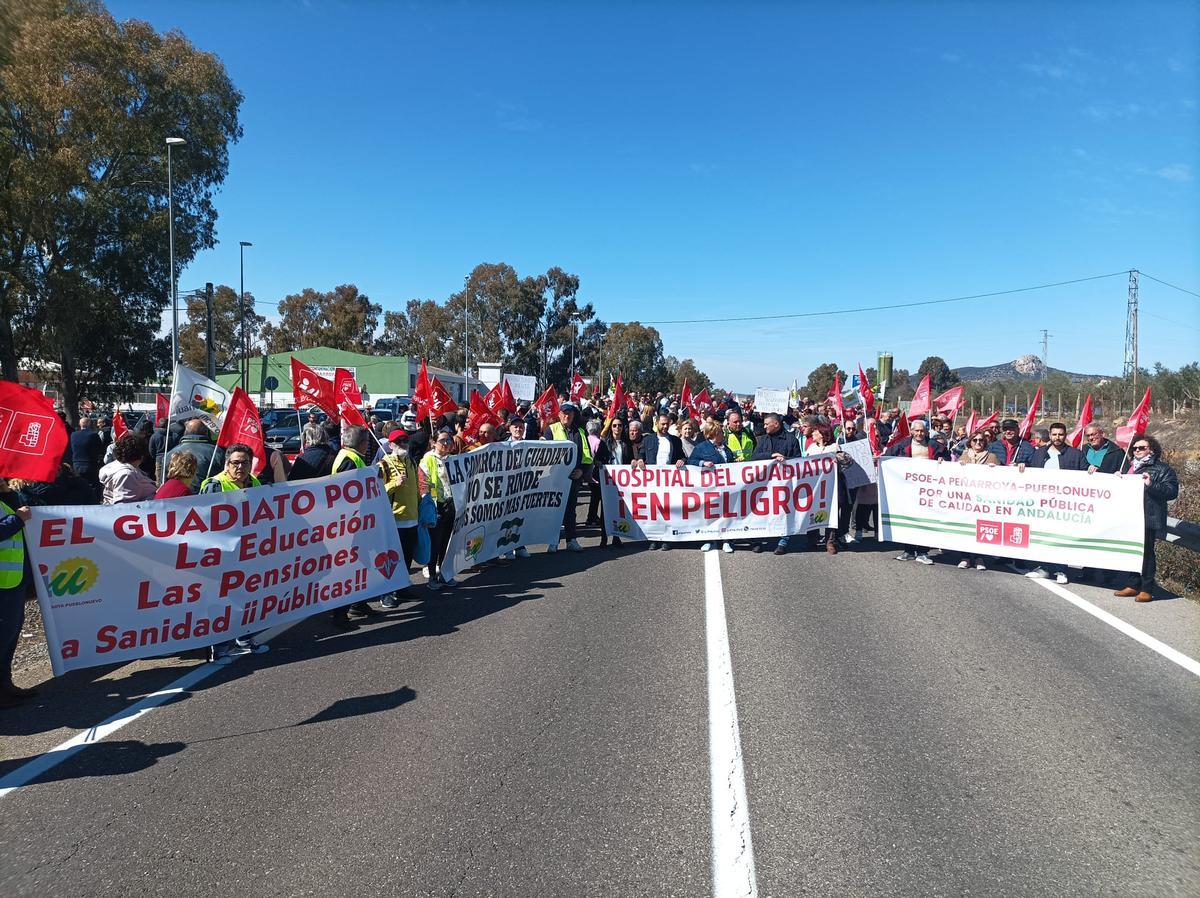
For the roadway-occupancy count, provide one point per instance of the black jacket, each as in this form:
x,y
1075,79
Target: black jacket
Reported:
x,y
1113,458
315,461
1070,459
782,442
650,448
936,450
1162,488
627,451
86,451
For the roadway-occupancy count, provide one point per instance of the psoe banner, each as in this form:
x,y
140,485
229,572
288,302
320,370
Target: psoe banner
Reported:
x,y
1068,517
744,500
506,495
120,582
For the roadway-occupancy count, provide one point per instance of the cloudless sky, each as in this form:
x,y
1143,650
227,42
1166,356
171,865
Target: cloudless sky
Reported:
x,y
711,160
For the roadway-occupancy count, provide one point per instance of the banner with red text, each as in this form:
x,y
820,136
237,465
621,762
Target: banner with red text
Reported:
x,y
745,500
120,582
1065,517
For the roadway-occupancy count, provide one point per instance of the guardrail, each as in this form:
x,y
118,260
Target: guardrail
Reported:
x,y
1183,533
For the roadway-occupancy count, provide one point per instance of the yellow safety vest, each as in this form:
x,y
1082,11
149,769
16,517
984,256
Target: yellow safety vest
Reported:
x,y
344,454
227,484
12,555
560,433
432,480
742,447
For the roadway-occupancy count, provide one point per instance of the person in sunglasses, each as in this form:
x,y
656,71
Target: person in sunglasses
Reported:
x,y
1162,485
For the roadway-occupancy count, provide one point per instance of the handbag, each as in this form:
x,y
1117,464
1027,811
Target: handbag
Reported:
x,y
423,547
427,511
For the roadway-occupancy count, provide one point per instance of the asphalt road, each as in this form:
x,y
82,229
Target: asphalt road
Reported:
x,y
543,730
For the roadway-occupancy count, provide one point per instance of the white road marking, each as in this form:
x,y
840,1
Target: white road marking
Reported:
x,y
35,767
733,852
1191,665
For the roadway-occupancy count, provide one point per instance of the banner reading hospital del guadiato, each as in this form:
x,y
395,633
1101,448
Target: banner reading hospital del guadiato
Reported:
x,y
745,500
506,495
1065,517
120,582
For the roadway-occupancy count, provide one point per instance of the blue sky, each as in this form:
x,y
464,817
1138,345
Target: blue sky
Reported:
x,y
708,161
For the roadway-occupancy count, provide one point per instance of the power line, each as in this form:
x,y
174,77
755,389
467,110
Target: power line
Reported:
x,y
1172,286
901,305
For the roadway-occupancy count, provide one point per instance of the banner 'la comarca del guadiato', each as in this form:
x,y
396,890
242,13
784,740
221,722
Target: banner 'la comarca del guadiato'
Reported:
x,y
506,495
119,582
1067,517
745,500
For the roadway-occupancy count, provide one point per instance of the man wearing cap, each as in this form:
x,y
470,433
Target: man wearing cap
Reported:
x,y
567,428
402,485
1010,449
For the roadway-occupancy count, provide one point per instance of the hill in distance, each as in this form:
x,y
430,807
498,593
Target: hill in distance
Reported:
x,y
1027,367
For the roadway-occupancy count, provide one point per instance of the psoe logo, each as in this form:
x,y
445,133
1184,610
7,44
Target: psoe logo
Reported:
x,y
71,576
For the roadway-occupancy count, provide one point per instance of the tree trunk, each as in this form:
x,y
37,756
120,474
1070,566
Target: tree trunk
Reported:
x,y
70,389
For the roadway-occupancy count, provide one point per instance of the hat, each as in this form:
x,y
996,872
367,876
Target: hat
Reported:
x,y
568,406
397,435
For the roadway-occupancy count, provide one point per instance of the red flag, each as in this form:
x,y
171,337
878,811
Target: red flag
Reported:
x,y
864,390
685,400
702,402
986,422
578,387
310,388
422,394
950,402
873,436
835,396
479,415
547,406
119,428
971,424
1031,415
1075,437
242,425
350,414
344,386
899,432
618,399
1137,424
919,407
162,408
440,400
494,400
32,436
508,402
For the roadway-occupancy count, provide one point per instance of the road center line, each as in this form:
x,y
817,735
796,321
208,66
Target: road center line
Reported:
x,y
1191,665
35,767
733,853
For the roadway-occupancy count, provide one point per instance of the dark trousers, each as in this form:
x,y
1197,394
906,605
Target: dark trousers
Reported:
x,y
12,618
569,511
408,544
864,517
439,538
593,501
1144,582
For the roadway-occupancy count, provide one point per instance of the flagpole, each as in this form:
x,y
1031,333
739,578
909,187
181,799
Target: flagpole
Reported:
x,y
167,433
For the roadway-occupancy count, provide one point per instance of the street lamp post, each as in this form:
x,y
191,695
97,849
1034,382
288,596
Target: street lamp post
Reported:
x,y
245,353
173,142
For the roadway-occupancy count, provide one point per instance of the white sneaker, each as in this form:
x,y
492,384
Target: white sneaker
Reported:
x,y
726,548
522,552
1038,573
924,559
425,572
980,566
573,546
1061,578
964,564
707,547
553,548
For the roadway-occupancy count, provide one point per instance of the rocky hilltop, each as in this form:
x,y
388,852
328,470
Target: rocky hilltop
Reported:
x,y
1027,367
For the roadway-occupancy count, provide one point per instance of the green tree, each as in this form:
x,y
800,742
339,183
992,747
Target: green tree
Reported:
x,y
636,353
941,378
820,381
422,330
84,105
343,318
227,329
686,370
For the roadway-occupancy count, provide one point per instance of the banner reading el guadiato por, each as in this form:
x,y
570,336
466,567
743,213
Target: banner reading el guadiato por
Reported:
x,y
1066,517
128,581
506,495
744,500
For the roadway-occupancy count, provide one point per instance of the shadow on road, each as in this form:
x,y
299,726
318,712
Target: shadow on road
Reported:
x,y
102,759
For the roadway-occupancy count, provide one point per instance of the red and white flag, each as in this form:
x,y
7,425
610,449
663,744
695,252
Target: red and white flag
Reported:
x,y
919,407
345,388
950,402
868,395
986,422
241,424
618,399
835,396
310,388
873,436
508,402
1137,424
702,403
899,432
162,408
578,387
1075,437
440,400
479,415
350,414
119,428
32,436
685,401
1031,415
547,407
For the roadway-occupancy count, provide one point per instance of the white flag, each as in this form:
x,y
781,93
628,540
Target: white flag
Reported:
x,y
195,396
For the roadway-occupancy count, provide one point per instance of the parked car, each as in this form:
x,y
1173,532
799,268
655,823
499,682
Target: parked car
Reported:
x,y
390,404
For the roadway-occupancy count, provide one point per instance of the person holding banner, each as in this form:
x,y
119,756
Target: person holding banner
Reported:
x,y
402,485
918,445
12,592
823,443
435,483
567,429
1162,486
739,441
976,453
1010,449
660,448
356,447
779,445
689,433
709,453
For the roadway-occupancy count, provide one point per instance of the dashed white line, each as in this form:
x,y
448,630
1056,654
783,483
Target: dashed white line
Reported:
x,y
1191,665
733,852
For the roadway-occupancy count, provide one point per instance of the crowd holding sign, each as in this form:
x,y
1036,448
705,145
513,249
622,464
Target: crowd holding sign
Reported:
x,y
1076,518
127,581
745,500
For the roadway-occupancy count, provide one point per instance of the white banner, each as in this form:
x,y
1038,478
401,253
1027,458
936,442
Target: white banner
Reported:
x,y
523,386
863,471
766,400
506,495
120,582
1067,517
744,500
195,396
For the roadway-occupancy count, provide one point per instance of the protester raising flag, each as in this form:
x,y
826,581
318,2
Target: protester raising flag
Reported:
x,y
899,432
685,401
702,403
1137,424
242,425
949,403
547,407
195,396
919,407
479,415
310,388
344,387
1031,415
32,436
422,397
864,390
578,387
162,408
1075,438
440,400
119,427
618,399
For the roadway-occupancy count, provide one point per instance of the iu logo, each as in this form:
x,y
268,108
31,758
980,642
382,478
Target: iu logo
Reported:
x,y
1016,535
988,532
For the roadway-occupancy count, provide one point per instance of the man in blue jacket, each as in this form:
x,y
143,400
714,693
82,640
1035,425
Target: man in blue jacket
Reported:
x,y
661,448
1010,449
775,443
1056,455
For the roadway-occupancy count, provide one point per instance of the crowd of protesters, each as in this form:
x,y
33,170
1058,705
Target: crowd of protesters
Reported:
x,y
410,455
